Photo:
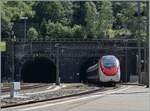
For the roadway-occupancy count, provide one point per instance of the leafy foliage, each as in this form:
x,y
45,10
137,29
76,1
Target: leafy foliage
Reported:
x,y
12,11
105,18
90,20
32,34
67,19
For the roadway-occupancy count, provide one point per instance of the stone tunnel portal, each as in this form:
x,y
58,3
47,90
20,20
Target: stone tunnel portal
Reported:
x,y
39,70
85,65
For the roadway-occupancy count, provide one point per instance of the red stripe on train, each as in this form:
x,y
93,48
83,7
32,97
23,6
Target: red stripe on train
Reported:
x,y
109,71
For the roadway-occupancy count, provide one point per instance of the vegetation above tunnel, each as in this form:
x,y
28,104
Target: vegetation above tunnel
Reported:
x,y
73,19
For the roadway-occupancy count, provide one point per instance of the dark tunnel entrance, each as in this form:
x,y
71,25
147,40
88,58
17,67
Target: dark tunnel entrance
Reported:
x,y
128,66
39,70
126,70
85,65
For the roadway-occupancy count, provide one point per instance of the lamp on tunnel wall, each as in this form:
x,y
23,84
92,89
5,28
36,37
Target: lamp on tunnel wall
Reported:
x,y
57,46
25,25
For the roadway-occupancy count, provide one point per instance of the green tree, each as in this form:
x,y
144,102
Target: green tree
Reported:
x,y
85,19
12,11
126,14
48,10
68,12
77,31
55,12
43,29
6,24
78,13
57,30
105,18
90,20
32,34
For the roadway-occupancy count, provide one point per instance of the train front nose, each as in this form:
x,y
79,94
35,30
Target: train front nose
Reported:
x,y
109,66
111,71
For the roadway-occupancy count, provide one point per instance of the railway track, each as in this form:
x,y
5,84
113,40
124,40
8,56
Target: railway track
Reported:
x,y
25,87
65,95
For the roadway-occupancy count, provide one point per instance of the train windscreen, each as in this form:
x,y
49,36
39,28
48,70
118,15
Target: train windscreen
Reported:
x,y
109,62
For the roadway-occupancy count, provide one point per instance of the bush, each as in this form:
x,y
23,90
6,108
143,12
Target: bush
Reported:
x,y
77,31
32,34
57,30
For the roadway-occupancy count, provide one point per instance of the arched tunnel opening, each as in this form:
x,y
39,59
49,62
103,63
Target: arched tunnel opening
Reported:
x,y
39,70
85,65
125,71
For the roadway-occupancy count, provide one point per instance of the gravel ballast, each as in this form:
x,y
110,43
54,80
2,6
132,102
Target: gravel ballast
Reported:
x,y
41,94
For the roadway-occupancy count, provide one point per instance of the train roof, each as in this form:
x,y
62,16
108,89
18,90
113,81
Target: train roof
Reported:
x,y
109,56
